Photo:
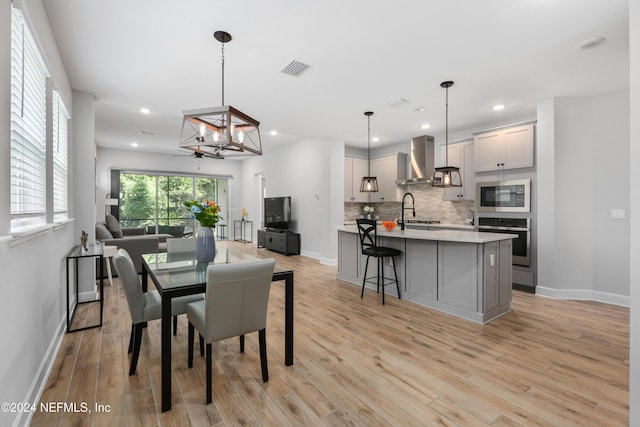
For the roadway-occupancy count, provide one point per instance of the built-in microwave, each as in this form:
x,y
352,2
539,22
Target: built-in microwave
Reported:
x,y
504,196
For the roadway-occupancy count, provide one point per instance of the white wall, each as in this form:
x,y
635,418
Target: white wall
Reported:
x,y
634,159
582,252
312,173
32,293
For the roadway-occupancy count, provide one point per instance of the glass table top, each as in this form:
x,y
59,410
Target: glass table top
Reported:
x,y
181,269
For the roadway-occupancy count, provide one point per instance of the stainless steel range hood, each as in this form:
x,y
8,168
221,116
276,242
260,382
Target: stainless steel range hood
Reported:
x,y
421,161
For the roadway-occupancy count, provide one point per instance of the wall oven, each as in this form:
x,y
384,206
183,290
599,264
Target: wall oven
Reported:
x,y
519,226
504,196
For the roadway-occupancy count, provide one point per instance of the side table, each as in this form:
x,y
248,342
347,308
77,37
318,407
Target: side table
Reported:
x,y
240,229
94,253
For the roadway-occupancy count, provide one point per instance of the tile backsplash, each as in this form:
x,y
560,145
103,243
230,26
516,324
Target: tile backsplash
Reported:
x,y
429,205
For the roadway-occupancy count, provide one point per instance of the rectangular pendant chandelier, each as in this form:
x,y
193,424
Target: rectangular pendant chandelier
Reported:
x,y
220,132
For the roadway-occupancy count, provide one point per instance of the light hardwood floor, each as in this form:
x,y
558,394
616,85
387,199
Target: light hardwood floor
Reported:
x,y
358,363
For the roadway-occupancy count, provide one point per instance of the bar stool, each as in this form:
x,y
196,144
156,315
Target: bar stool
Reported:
x,y
368,233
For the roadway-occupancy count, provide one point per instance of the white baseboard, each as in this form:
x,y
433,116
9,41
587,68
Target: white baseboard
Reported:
x,y
584,295
40,378
314,255
329,261
320,258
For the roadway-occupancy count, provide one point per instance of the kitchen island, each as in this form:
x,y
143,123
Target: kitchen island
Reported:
x,y
463,273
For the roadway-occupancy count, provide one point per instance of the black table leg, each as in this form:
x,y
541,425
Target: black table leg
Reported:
x,y
102,286
288,319
165,359
68,318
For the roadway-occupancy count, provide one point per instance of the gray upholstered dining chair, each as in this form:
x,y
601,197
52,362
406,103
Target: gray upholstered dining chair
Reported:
x,y
143,306
235,305
181,245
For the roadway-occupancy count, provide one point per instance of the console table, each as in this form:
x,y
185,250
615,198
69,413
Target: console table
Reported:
x,y
240,231
95,252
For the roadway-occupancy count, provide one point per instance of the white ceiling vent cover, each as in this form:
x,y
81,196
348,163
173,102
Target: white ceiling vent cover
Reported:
x,y
397,103
295,68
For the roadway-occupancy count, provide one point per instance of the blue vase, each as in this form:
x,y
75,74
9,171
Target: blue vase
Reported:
x,y
205,245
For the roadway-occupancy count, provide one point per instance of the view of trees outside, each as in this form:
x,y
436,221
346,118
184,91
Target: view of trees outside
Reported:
x,y
157,199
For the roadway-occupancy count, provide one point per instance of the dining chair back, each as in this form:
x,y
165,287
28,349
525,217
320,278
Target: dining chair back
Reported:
x,y
181,245
236,303
130,284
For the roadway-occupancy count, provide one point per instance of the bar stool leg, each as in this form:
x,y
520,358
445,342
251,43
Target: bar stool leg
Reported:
x,y
382,269
396,274
364,278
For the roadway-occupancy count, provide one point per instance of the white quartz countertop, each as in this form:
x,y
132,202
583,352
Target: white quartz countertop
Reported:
x,y
461,236
466,227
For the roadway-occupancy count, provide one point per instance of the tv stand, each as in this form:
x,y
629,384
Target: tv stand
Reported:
x,y
283,241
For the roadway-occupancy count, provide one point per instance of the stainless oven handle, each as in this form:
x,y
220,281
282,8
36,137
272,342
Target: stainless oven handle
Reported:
x,y
490,227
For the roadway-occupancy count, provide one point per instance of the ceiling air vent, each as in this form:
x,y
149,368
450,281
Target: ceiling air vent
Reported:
x,y
397,103
295,68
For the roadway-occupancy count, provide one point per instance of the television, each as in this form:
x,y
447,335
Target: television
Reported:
x,y
277,213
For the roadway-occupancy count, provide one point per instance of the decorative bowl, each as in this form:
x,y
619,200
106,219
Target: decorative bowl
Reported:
x,y
389,225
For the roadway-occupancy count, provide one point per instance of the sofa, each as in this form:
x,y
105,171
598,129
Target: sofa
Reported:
x,y
133,240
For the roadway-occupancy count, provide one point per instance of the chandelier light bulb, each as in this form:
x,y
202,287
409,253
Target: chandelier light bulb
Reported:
x,y
447,179
241,137
216,136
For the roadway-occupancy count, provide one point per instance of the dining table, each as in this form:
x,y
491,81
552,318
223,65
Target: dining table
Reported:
x,y
179,274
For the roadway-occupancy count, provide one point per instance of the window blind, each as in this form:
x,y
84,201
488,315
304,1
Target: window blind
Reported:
x,y
60,135
28,122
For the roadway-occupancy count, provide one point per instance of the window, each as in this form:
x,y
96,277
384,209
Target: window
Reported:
x,y
60,170
28,126
149,200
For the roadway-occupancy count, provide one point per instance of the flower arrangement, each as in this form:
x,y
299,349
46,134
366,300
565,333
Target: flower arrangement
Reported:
x,y
243,213
368,209
205,212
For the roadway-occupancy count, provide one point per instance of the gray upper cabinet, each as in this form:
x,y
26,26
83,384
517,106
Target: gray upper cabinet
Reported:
x,y
354,169
461,155
387,169
504,148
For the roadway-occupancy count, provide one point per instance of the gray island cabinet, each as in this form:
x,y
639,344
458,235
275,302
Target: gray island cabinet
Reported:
x,y
463,273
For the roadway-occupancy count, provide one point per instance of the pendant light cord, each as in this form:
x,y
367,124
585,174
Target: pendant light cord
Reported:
x,y
222,73
446,127
369,145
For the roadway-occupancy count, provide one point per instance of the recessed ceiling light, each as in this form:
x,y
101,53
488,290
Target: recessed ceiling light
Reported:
x,y
498,107
134,144
425,126
375,139
145,110
273,132
588,44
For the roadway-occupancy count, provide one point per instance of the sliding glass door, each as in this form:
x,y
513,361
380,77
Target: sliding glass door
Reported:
x,y
155,201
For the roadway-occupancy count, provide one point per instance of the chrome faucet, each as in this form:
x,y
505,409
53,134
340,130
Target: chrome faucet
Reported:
x,y
413,208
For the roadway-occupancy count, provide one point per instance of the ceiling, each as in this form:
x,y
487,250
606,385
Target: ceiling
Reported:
x,y
161,55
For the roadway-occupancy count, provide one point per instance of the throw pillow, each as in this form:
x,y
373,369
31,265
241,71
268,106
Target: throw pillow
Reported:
x,y
114,226
102,233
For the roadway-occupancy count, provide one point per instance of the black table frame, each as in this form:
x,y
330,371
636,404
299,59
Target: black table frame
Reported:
x,y
168,294
76,255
